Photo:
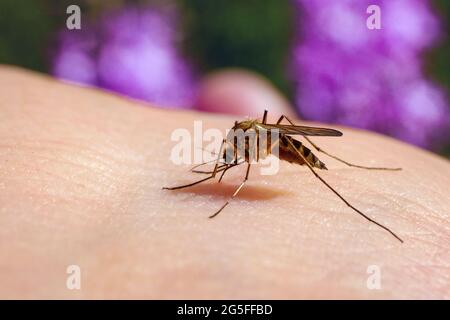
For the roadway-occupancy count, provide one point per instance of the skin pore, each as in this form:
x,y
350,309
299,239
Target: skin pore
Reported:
x,y
81,173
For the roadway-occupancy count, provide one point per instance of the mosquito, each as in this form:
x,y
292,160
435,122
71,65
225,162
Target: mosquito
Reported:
x,y
235,151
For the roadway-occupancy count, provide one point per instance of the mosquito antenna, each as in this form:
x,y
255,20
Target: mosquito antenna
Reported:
x,y
202,164
213,174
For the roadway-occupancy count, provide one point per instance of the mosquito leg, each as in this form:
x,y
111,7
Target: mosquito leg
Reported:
x,y
223,172
213,174
202,164
340,197
240,186
189,185
333,156
219,168
199,165
229,167
235,193
346,162
281,119
264,119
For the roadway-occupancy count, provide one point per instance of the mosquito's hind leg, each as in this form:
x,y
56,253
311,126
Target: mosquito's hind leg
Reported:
x,y
341,197
235,193
333,156
213,174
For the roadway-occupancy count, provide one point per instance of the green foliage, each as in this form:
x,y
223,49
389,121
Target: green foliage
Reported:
x,y
24,30
438,59
233,33
218,33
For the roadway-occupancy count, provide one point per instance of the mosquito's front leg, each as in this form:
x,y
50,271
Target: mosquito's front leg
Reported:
x,y
207,178
333,156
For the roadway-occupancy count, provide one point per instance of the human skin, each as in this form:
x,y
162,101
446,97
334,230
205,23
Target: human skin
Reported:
x,y
81,177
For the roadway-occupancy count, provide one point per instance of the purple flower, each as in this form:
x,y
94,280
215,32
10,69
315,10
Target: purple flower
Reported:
x,y
349,74
132,52
74,60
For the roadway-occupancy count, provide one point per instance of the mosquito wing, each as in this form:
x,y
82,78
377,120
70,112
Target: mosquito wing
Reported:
x,y
301,130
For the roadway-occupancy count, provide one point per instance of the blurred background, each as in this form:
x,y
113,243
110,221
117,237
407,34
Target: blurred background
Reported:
x,y
320,55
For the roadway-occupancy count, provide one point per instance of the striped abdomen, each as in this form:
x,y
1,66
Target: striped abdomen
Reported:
x,y
287,153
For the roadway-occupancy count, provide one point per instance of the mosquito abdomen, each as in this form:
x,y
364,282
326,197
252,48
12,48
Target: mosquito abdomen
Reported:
x,y
288,154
